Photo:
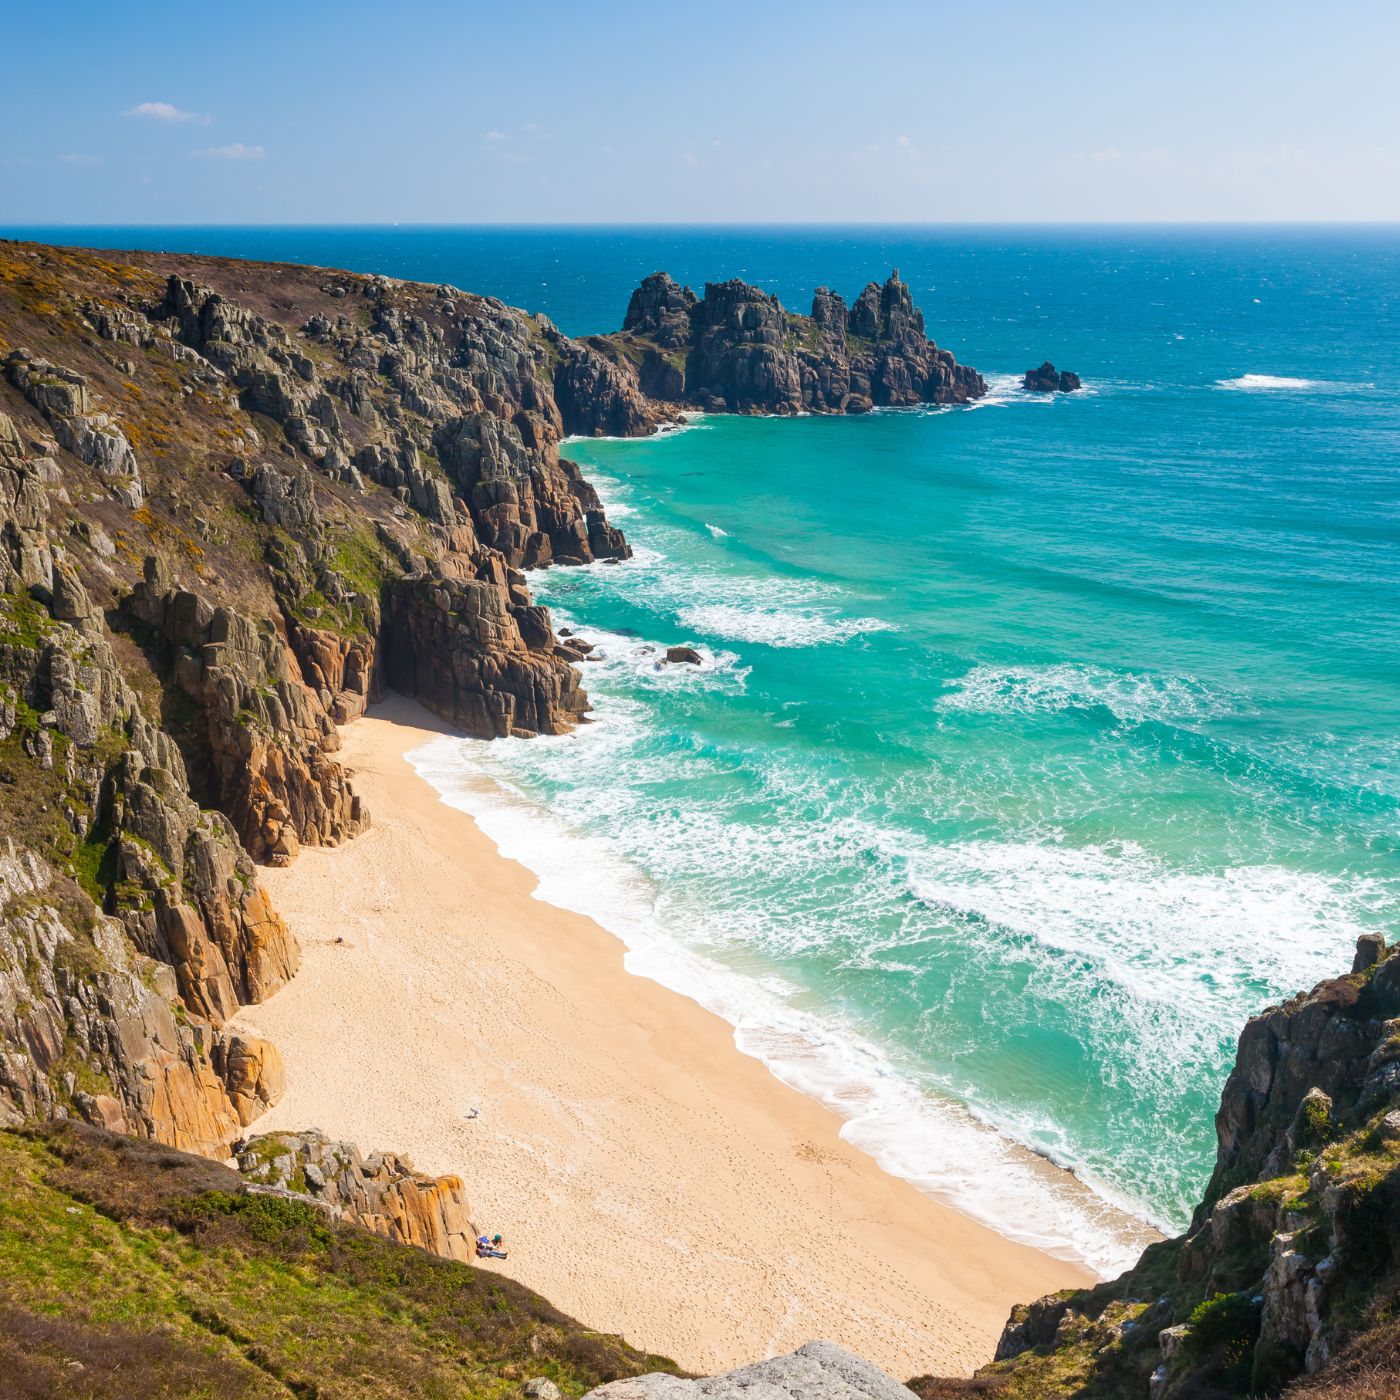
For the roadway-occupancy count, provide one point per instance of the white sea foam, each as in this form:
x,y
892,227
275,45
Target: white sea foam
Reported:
x,y
716,531
1267,382
930,1140
779,626
1187,946
771,611
1130,696
645,662
1004,389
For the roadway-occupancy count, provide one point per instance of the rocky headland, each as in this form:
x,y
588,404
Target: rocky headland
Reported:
x,y
238,502
736,349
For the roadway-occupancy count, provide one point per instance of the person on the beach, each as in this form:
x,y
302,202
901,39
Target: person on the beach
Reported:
x,y
489,1248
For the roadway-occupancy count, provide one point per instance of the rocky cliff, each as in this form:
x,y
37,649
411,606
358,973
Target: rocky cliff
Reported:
x,y
737,349
236,501
1288,1280
381,1192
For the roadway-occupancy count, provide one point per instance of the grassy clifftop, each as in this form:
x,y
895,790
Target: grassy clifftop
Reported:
x,y
128,1269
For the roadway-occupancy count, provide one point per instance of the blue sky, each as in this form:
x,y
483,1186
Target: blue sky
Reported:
x,y
305,111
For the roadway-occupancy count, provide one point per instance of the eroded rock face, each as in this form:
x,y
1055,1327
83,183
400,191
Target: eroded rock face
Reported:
x,y
95,438
268,737
88,1026
381,1191
480,656
737,349
1292,1254
817,1371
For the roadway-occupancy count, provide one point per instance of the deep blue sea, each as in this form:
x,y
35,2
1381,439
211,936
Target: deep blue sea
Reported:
x,y
1038,743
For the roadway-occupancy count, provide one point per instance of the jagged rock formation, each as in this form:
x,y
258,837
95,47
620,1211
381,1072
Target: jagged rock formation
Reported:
x,y
737,349
92,1027
1291,1267
1048,380
61,395
817,1371
233,500
266,735
382,1192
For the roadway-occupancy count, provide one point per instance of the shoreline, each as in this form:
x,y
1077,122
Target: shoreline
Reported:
x,y
650,1178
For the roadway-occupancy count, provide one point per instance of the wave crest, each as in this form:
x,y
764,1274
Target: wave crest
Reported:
x,y
1130,696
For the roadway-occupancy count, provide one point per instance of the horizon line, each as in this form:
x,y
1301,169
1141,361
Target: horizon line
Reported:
x,y
715,224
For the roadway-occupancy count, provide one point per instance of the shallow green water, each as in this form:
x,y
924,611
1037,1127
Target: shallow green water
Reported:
x,y
1038,745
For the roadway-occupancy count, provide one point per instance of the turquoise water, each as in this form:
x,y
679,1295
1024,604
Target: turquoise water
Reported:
x,y
1038,744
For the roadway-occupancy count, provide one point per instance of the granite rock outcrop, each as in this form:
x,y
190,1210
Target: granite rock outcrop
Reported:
x,y
816,1371
381,1192
737,349
1291,1266
233,500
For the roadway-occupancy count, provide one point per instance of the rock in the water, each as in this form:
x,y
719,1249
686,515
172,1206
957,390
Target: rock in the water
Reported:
x,y
1048,380
683,656
817,1371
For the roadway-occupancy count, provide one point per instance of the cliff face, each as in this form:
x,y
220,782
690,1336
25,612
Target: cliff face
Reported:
x,y
235,501
737,349
1289,1277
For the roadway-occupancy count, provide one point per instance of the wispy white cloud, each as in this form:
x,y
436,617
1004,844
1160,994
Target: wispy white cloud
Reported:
x,y
164,112
497,136
237,151
76,158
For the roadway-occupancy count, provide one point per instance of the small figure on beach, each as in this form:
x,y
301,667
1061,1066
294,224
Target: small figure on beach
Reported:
x,y
489,1247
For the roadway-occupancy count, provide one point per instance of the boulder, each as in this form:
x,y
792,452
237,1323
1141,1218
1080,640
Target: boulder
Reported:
x,y
817,1371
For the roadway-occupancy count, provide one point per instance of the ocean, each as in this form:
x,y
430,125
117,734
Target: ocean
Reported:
x,y
1037,743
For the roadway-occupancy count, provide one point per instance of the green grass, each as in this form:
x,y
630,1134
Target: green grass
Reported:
x,y
23,622
112,1247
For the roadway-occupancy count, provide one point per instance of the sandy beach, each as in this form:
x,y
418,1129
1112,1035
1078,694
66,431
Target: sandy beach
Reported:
x,y
648,1177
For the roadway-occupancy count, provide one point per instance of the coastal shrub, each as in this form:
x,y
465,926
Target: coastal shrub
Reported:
x,y
1223,1326
291,1226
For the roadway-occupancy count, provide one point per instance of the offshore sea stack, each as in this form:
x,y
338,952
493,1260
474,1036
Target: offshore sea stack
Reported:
x,y
1048,380
738,350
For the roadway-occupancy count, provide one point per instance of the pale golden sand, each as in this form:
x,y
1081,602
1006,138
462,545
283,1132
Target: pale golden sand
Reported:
x,y
649,1178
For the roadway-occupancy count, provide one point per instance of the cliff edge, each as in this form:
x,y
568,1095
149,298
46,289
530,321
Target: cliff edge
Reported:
x,y
1288,1280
